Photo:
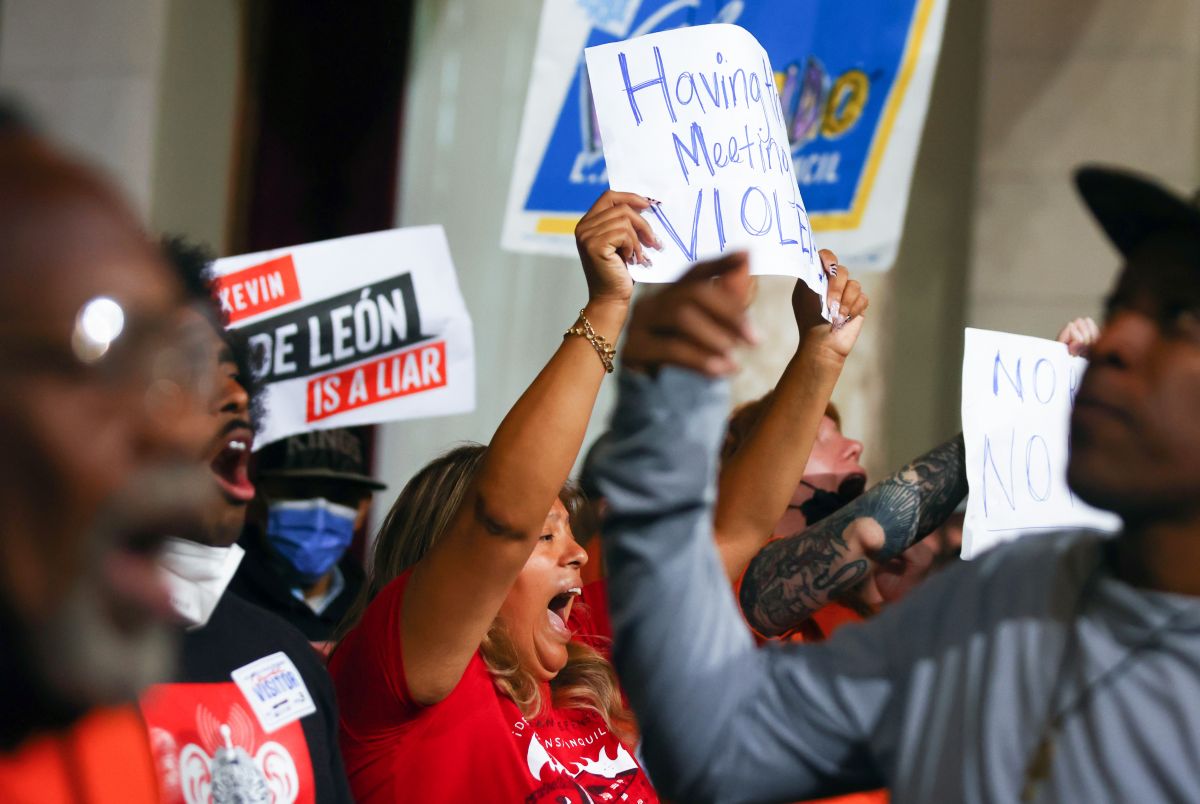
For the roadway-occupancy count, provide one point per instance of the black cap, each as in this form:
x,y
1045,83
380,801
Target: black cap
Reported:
x,y
330,454
1131,207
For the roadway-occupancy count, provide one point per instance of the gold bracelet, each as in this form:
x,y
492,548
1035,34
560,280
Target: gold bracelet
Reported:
x,y
606,350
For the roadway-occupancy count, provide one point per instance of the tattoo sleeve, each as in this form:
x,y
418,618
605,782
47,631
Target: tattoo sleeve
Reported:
x,y
793,577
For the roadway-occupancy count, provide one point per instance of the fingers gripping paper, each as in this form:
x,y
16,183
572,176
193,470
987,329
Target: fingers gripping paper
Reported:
x,y
358,330
1017,395
691,117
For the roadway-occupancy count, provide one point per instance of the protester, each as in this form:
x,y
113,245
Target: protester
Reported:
x,y
769,443
460,681
1037,671
314,494
250,716
100,417
788,585
769,490
832,477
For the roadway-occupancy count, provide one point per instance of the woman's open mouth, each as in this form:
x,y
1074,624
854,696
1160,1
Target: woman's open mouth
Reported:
x,y
559,610
231,467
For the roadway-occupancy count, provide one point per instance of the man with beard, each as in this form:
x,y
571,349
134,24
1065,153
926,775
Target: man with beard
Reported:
x,y
102,409
250,715
1054,668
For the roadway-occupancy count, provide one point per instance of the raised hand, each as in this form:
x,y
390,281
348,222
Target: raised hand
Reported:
x,y
1079,335
694,323
610,237
846,303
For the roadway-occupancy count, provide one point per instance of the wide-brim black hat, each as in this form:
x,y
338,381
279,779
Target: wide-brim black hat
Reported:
x,y
1131,207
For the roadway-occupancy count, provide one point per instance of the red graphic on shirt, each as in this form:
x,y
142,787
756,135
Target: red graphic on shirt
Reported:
x,y
211,749
600,769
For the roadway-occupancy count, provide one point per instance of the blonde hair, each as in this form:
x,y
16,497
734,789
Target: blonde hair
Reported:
x,y
420,516
745,419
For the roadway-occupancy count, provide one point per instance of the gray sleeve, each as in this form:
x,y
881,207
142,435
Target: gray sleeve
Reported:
x,y
720,719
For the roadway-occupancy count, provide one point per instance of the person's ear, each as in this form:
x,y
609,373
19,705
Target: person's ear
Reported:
x,y
364,509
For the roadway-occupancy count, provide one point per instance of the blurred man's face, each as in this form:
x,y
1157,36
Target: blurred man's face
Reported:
x,y
97,438
1135,428
226,455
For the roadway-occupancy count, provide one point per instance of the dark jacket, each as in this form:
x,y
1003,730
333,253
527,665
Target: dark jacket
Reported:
x,y
262,580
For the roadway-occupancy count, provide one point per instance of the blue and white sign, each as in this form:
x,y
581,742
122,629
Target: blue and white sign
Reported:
x,y
853,81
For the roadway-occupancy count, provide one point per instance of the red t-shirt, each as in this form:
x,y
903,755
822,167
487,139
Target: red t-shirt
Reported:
x,y
472,746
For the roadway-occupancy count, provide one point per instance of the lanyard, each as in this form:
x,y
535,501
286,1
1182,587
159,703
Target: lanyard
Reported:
x,y
1040,762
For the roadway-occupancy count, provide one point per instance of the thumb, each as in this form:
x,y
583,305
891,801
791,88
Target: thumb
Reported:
x,y
737,281
712,269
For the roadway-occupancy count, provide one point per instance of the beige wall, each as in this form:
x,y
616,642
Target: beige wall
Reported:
x,y
1066,83
193,187
89,74
145,88
465,93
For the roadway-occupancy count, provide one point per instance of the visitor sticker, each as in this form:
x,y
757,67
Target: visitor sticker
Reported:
x,y
275,691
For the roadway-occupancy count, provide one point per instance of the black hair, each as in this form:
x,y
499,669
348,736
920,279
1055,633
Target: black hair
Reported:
x,y
193,265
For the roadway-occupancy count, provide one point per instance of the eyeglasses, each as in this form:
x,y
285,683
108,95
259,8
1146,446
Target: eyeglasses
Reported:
x,y
170,359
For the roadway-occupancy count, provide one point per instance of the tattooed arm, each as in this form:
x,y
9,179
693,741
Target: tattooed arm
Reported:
x,y
793,577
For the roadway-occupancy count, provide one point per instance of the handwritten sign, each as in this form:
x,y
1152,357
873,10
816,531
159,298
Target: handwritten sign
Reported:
x,y
853,105
692,118
1017,395
358,330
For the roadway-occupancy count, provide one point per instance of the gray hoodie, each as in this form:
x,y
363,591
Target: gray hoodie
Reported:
x,y
943,698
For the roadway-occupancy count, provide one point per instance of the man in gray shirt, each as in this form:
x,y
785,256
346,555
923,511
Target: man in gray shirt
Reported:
x,y
1057,668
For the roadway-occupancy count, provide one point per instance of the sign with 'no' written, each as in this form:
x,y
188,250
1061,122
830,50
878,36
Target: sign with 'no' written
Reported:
x,y
358,330
1017,396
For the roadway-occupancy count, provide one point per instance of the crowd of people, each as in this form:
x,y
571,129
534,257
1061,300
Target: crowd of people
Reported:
x,y
718,608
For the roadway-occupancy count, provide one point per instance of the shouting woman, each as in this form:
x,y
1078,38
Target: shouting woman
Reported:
x,y
459,680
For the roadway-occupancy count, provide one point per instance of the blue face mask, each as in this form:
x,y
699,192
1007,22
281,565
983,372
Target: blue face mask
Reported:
x,y
311,535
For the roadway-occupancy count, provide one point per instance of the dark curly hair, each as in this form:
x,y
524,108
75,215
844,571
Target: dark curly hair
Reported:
x,y
193,265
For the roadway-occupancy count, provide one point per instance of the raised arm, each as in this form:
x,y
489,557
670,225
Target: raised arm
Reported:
x,y
720,720
795,576
447,611
758,480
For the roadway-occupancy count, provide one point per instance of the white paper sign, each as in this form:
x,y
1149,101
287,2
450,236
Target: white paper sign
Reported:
x,y
357,330
275,690
691,117
1017,394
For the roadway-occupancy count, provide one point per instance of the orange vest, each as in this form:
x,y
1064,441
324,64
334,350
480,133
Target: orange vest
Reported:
x,y
103,759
